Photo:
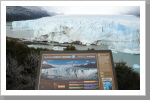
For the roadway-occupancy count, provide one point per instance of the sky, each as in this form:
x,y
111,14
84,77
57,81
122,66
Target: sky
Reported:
x,y
70,62
104,10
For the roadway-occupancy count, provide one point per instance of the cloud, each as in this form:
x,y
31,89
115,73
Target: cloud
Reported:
x,y
93,62
105,10
85,63
79,64
71,61
131,11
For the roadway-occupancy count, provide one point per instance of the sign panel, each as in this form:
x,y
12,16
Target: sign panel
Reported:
x,y
76,70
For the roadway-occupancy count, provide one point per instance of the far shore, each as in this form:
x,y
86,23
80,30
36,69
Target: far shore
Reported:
x,y
28,42
9,23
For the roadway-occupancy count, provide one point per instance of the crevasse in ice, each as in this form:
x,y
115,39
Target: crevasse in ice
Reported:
x,y
113,30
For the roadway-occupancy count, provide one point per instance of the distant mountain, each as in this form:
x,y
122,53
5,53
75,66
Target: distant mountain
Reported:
x,y
44,62
87,66
46,65
15,13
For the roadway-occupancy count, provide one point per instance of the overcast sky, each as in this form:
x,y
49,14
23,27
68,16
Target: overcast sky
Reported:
x,y
107,10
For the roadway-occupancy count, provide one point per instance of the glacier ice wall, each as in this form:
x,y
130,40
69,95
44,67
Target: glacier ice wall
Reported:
x,y
70,73
87,29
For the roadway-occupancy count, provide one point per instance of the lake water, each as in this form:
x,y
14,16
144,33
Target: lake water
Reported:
x,y
18,33
131,59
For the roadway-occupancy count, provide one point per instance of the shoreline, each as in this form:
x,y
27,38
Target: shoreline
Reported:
x,y
52,43
34,43
19,40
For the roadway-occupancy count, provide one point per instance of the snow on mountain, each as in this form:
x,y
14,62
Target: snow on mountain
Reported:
x,y
84,65
48,65
44,62
63,66
70,73
14,13
88,29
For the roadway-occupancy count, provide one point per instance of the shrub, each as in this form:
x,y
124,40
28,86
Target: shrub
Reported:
x,y
20,51
21,77
91,49
21,65
17,50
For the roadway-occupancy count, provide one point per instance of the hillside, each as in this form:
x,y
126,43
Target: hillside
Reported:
x,y
15,13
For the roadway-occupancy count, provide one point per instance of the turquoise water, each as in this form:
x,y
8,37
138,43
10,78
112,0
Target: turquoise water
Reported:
x,y
131,59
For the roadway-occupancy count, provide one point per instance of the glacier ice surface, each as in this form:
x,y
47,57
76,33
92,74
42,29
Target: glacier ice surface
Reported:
x,y
119,31
71,73
136,66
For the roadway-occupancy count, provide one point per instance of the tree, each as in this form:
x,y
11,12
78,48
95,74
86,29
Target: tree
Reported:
x,y
127,78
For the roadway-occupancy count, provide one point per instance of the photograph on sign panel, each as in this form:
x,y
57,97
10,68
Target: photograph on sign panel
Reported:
x,y
107,83
69,69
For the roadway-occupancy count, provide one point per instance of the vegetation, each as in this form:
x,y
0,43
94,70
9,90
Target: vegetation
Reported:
x,y
70,47
127,78
21,76
15,48
22,63
91,49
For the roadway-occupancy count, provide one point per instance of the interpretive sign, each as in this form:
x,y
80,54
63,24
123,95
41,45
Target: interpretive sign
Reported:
x,y
76,70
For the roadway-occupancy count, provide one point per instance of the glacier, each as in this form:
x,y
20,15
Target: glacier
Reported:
x,y
70,73
120,32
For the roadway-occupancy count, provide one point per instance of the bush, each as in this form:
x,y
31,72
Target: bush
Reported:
x,y
127,78
70,47
91,49
21,65
37,50
17,50
20,51
21,77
